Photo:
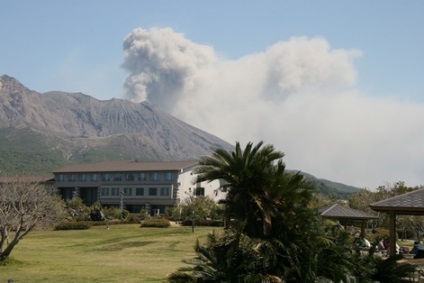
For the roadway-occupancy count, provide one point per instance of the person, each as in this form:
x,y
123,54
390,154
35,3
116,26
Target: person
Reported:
x,y
397,247
367,243
415,248
381,245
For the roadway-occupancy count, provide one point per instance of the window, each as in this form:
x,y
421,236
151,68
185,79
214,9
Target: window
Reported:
x,y
128,191
154,176
117,177
142,177
164,191
94,177
61,178
130,177
115,191
139,191
169,176
106,177
153,191
83,177
105,191
72,178
199,192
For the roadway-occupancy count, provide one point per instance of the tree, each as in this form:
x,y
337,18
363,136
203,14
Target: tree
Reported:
x,y
293,244
251,175
201,207
228,257
24,205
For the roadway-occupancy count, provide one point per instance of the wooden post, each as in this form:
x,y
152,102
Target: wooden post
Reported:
x,y
363,228
392,238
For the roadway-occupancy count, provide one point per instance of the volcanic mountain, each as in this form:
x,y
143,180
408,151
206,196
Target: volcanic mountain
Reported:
x,y
41,131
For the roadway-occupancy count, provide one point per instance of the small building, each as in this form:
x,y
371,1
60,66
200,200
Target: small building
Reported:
x,y
134,185
342,213
411,203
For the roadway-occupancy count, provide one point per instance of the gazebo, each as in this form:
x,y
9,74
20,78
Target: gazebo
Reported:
x,y
339,212
411,203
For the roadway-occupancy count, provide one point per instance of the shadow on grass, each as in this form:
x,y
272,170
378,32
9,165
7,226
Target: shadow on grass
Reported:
x,y
123,245
10,261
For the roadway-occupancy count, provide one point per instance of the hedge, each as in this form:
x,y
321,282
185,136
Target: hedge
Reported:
x,y
82,225
156,222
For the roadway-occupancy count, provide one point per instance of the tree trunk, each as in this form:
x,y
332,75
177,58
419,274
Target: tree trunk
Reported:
x,y
6,253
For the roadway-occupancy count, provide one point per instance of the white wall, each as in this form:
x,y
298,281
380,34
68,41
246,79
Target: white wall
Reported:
x,y
186,187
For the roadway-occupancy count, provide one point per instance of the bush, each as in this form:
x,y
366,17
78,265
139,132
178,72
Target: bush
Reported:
x,y
133,218
77,210
73,226
156,222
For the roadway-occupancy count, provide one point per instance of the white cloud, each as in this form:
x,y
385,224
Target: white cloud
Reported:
x,y
298,95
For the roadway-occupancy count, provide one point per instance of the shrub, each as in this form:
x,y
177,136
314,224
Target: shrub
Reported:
x,y
77,210
156,222
144,215
133,218
73,226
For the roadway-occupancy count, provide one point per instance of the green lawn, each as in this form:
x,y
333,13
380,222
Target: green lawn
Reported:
x,y
124,253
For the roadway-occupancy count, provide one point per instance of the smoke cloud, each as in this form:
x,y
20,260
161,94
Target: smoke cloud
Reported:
x,y
162,64
298,95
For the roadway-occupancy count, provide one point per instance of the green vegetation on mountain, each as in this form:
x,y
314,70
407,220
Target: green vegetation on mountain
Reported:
x,y
25,151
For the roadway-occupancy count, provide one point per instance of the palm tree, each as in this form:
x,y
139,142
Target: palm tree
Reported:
x,y
279,236
229,257
251,175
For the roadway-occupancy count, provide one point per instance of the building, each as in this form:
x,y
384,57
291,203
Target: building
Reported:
x,y
134,185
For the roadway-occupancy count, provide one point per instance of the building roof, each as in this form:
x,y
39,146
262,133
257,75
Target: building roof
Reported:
x,y
411,203
26,179
127,166
341,212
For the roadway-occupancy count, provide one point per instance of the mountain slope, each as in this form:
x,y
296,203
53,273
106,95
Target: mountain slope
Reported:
x,y
330,188
80,128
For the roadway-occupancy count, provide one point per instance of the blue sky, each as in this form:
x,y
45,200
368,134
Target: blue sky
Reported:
x,y
366,72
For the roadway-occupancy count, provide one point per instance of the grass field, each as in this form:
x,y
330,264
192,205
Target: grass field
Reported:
x,y
124,253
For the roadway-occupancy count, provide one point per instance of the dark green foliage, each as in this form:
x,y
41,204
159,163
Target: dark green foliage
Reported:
x,y
390,271
226,257
277,236
253,182
73,226
156,223
373,268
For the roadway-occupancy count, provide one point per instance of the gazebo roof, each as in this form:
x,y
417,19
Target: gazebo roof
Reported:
x,y
341,212
411,203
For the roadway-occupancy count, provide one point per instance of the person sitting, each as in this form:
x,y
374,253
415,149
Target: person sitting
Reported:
x,y
415,248
381,245
367,243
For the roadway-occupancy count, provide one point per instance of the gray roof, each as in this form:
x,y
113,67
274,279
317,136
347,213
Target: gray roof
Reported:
x,y
127,166
341,212
410,203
